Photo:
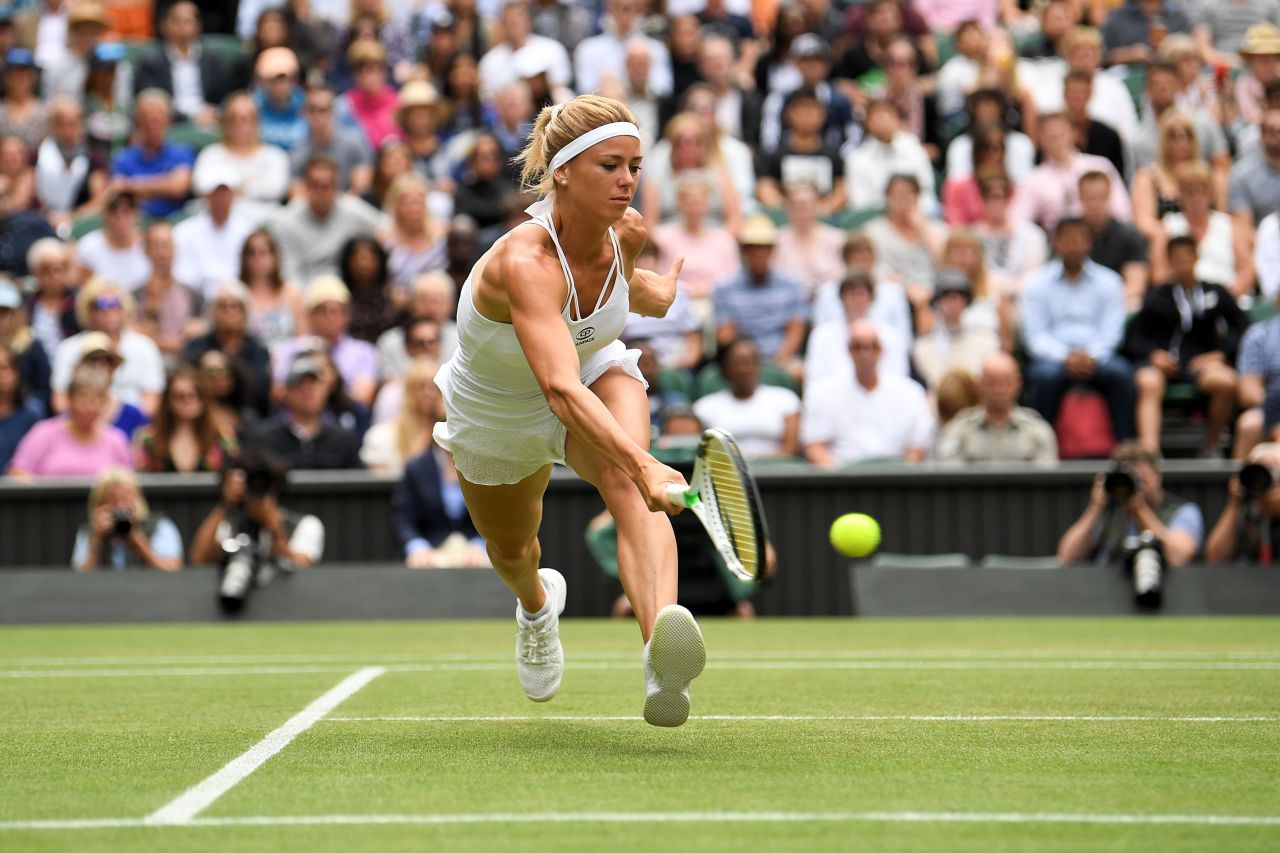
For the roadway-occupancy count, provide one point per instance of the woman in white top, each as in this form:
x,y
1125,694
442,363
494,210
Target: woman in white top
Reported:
x,y
264,169
539,377
389,445
1225,258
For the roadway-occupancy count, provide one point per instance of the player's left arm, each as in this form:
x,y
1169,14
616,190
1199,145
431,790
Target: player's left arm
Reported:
x,y
651,293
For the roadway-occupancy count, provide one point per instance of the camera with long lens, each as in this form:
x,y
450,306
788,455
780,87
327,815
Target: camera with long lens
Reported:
x,y
1144,561
1256,480
239,570
121,523
1120,484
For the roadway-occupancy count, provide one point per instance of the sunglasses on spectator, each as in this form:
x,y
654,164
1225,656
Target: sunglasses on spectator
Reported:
x,y
216,368
423,342
98,358
106,303
183,396
864,346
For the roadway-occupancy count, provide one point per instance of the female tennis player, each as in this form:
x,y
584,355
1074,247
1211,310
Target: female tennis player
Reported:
x,y
540,376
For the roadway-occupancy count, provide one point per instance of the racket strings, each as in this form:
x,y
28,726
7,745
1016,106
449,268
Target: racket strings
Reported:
x,y
733,505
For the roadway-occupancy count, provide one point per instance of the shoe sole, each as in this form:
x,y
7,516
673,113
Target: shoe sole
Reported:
x,y
677,655
559,588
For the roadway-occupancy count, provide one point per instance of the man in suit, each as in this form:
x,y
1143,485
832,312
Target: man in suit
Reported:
x,y
197,79
431,521
1187,331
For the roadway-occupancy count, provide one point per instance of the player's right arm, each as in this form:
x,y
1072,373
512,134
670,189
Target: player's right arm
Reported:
x,y
535,293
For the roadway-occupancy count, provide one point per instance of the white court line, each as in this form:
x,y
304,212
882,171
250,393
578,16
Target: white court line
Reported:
x,y
199,797
810,718
759,665
658,817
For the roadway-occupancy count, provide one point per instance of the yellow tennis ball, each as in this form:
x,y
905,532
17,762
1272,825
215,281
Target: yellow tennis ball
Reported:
x,y
855,534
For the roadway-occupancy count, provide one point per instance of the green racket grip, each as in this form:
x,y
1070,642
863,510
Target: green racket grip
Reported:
x,y
682,495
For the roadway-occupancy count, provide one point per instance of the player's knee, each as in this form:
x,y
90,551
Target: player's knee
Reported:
x,y
513,550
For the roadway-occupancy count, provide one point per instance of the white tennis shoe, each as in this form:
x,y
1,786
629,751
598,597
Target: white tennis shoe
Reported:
x,y
539,655
673,657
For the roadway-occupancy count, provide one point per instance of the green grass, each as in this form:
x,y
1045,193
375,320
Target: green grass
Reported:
x,y
89,745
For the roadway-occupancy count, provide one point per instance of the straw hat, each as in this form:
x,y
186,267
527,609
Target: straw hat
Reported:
x,y
326,288
758,231
417,93
1261,40
96,342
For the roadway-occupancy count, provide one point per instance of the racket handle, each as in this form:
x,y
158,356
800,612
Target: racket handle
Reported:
x,y
681,495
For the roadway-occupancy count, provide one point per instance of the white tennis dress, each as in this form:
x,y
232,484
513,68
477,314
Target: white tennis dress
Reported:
x,y
499,428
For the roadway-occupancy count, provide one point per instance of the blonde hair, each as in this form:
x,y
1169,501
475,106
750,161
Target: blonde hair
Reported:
x,y
95,288
1177,47
1170,118
557,126
1192,173
410,427
110,477
680,121
956,392
1079,35
398,188
20,335
977,275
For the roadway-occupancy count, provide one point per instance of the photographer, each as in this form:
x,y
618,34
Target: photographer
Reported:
x,y
1246,530
122,533
1129,510
249,518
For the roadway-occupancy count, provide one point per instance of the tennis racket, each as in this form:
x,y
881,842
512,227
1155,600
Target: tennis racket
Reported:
x,y
723,495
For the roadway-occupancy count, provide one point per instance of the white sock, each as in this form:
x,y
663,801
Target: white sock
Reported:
x,y
546,607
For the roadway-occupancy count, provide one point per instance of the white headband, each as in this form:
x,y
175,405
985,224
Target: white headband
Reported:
x,y
586,140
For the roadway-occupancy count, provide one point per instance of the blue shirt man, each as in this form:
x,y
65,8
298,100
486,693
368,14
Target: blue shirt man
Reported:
x,y
1072,322
759,303
154,169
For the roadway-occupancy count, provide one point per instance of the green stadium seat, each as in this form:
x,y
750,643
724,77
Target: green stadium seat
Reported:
x,y
1262,310
851,219
85,225
675,380
228,47
920,561
196,137
1181,392
711,380
1004,561
1135,80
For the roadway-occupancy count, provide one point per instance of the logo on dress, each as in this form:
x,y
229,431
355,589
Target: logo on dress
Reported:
x,y
585,335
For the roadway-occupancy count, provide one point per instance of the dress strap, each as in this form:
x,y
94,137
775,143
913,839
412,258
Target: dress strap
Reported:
x,y
572,298
615,267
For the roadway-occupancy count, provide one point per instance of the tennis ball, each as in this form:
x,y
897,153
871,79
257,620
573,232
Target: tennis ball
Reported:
x,y
855,534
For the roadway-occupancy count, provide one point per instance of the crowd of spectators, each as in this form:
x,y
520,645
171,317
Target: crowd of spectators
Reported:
x,y
913,230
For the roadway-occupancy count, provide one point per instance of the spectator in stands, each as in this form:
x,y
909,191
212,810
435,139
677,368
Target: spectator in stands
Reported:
x,y
263,169
229,334
1134,30
988,107
22,113
808,248
373,20
433,296
961,74
803,155
419,338
69,179
866,414
19,410
392,161
108,100
1099,535
116,251
300,435
154,169
18,231
987,309
1221,29
1255,182
484,190
737,110
168,311
421,113
1052,191
882,22
693,153
198,80
227,386
951,345
51,309
87,24
1162,89
1155,187
371,102
1247,531
907,245
1260,53
1187,331
97,351
276,310
1198,89
77,444
1266,254
738,157
1072,322
1117,245
709,249
904,88
764,419
339,408
280,98
1225,258
21,341
208,245
122,532
414,240
103,307
1259,389
886,150
389,445
962,202
345,146
328,303
1012,248
1092,136
998,429
312,230
605,54
497,68
461,89
187,435
761,304
362,267
431,519
17,177
859,297
280,537
811,56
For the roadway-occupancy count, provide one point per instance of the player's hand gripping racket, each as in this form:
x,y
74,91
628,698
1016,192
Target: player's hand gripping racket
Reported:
x,y
723,495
